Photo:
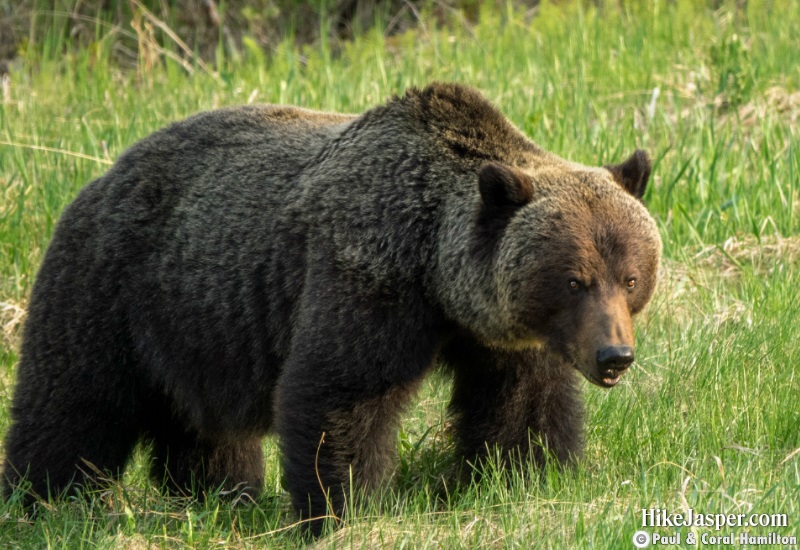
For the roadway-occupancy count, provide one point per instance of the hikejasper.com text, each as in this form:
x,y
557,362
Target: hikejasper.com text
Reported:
x,y
656,517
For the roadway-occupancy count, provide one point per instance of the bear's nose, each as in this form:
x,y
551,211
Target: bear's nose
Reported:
x,y
615,357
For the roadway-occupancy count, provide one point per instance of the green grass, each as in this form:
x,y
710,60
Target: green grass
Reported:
x,y
707,419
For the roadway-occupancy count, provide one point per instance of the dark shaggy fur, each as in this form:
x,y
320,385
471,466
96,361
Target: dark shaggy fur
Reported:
x,y
274,269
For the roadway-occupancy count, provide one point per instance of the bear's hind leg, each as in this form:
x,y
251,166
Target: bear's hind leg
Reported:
x,y
54,443
189,464
74,413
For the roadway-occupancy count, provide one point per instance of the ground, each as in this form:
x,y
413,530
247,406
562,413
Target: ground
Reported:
x,y
706,419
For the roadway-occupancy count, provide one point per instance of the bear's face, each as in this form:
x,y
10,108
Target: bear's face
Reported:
x,y
578,258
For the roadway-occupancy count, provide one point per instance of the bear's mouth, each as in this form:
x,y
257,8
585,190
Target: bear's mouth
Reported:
x,y
605,379
611,380
602,377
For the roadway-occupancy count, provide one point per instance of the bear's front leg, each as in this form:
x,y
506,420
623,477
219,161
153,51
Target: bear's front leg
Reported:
x,y
514,400
327,443
354,365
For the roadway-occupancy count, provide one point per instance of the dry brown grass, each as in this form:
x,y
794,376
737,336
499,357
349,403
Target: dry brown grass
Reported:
x,y
691,83
12,316
392,533
710,275
133,542
738,253
776,100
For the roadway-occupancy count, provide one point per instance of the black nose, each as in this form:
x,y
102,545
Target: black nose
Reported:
x,y
615,357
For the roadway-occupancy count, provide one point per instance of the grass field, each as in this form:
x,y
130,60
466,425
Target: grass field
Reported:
x,y
708,419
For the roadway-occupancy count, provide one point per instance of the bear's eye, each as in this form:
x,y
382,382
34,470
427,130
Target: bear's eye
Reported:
x,y
574,284
631,283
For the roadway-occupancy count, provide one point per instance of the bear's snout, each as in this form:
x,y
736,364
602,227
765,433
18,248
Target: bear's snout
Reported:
x,y
616,358
612,361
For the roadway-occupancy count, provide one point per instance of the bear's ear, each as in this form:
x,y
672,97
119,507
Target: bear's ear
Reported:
x,y
632,174
504,186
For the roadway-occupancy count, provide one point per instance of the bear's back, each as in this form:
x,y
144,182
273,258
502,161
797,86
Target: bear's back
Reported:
x,y
230,147
224,170
191,237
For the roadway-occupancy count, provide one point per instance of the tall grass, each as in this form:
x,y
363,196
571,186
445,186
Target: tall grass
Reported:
x,y
708,419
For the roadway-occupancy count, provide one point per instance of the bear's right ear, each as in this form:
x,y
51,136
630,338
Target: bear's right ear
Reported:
x,y
503,186
633,174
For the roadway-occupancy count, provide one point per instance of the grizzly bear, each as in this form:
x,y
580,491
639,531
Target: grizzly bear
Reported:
x,y
270,268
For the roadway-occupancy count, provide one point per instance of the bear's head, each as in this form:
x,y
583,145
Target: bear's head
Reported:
x,y
575,256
